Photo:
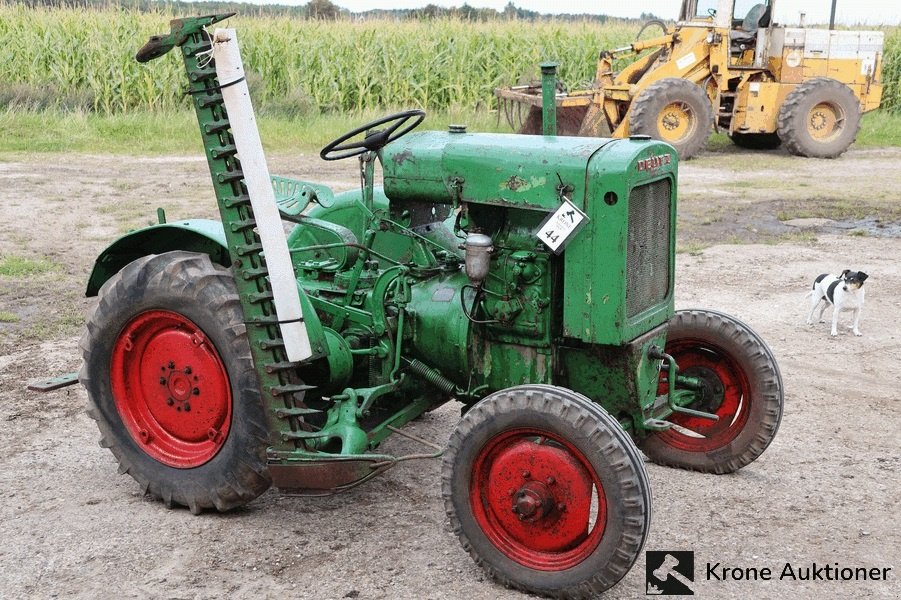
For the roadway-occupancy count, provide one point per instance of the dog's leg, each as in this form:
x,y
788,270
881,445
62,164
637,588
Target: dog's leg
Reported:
x,y
813,308
835,312
856,327
822,310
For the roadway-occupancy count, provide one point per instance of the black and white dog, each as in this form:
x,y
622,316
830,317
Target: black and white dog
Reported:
x,y
843,293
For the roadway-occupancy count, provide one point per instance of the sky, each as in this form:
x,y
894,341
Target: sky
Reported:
x,y
873,12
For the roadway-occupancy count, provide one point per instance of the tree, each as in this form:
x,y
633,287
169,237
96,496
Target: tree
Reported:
x,y
322,9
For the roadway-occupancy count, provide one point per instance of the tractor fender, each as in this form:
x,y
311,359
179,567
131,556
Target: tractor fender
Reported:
x,y
195,235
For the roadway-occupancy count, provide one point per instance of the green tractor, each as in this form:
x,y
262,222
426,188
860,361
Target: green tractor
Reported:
x,y
529,278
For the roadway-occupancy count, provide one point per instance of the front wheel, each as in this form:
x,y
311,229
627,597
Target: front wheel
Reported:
x,y
171,383
546,491
674,111
740,382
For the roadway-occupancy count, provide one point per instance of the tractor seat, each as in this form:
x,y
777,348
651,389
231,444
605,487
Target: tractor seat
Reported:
x,y
757,17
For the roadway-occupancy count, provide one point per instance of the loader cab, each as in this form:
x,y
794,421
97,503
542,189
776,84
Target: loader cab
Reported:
x,y
745,20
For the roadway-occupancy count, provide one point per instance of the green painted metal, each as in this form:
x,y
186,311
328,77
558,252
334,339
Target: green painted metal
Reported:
x,y
193,235
549,98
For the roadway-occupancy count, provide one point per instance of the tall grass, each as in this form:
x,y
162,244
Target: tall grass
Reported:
x,y
84,59
324,65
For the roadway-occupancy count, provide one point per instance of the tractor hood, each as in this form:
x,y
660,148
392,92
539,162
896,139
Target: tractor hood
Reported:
x,y
526,171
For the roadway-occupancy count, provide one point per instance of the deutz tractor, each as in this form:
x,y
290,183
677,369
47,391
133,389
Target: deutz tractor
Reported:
x,y
530,279
727,65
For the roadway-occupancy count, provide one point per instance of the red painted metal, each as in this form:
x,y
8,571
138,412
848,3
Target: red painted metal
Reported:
x,y
171,389
733,411
531,494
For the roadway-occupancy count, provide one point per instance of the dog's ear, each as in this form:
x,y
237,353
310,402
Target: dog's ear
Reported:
x,y
862,276
845,273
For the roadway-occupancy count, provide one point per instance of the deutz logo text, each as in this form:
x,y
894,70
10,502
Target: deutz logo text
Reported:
x,y
655,162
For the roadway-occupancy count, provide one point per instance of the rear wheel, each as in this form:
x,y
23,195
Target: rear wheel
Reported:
x,y
546,491
819,119
756,141
675,111
740,383
171,383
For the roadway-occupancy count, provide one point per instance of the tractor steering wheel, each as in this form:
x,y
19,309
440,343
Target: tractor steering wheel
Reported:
x,y
342,148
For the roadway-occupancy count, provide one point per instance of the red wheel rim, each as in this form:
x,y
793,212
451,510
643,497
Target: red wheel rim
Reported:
x,y
537,499
734,409
171,389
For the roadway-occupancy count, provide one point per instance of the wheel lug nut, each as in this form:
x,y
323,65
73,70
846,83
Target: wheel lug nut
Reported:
x,y
170,401
526,474
162,381
187,370
171,364
551,481
196,391
187,407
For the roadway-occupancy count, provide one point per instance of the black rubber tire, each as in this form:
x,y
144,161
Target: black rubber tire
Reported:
x,y
756,141
795,118
651,102
726,336
605,445
192,286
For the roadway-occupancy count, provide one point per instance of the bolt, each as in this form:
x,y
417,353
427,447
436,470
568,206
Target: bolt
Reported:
x,y
171,364
187,407
551,481
522,517
170,401
515,510
561,507
196,391
162,381
187,370
526,474
511,491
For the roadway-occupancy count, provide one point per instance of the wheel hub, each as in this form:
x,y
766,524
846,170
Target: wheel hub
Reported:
x,y
537,500
171,389
710,395
533,501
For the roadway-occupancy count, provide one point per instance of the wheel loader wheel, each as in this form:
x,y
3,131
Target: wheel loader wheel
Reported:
x,y
819,118
756,141
171,383
741,384
675,111
546,491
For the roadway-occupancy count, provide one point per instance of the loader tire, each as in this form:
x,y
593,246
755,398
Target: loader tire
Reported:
x,y
546,491
819,119
171,383
756,141
674,111
741,384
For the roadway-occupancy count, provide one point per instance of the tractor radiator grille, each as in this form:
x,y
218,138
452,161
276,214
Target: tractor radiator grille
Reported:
x,y
647,260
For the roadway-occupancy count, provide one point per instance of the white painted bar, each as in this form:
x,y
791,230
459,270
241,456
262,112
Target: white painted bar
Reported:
x,y
229,68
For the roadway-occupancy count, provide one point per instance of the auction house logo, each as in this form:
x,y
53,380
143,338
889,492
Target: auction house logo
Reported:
x,y
670,572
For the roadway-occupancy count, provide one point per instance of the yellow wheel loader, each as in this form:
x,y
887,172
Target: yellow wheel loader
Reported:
x,y
726,65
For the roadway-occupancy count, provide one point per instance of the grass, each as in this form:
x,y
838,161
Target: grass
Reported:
x,y
149,134
8,317
18,266
65,324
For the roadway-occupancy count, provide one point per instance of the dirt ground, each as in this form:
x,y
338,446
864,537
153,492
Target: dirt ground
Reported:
x,y
755,229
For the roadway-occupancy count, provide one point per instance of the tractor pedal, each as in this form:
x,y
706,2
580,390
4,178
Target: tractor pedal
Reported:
x,y
53,383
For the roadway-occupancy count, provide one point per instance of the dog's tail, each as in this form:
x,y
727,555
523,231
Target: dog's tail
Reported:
x,y
808,294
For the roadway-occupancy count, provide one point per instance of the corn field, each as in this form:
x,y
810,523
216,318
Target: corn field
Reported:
x,y
84,58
